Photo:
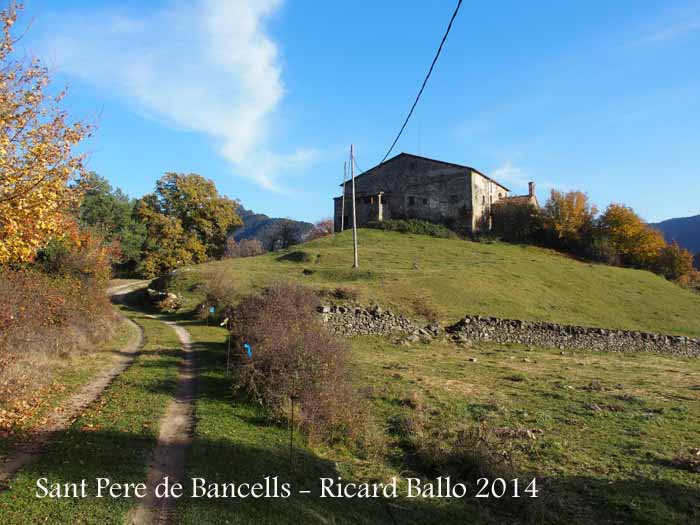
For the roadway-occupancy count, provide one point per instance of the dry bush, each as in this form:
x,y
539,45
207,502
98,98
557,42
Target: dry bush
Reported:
x,y
294,357
45,319
219,290
690,280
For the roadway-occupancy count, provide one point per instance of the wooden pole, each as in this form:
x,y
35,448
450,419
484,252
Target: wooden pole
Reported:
x,y
342,213
356,264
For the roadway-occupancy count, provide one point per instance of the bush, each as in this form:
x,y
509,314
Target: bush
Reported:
x,y
516,222
601,249
78,253
219,290
673,262
294,357
415,226
45,318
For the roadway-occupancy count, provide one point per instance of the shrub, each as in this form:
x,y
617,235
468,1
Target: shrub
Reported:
x,y
673,261
220,291
690,280
638,244
415,226
294,357
515,221
601,249
44,318
79,253
568,219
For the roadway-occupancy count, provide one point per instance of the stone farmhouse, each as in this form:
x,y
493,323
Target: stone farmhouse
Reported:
x,y
408,186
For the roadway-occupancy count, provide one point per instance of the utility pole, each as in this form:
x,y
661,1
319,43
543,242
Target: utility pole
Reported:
x,y
342,213
356,264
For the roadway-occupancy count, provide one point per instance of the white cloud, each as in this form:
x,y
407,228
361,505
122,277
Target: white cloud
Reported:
x,y
206,66
516,178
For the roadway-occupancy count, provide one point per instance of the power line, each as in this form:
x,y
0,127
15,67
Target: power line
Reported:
x,y
442,43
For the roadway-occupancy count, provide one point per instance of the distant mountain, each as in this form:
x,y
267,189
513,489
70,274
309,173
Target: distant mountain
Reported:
x,y
264,228
684,230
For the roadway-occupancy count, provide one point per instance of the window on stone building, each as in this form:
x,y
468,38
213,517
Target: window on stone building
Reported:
x,y
425,201
411,201
454,198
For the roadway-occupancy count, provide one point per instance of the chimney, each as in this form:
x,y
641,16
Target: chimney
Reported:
x,y
531,189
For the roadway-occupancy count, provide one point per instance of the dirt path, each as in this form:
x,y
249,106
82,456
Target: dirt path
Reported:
x,y
29,450
175,436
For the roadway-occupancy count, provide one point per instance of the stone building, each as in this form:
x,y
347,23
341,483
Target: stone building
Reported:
x,y
409,186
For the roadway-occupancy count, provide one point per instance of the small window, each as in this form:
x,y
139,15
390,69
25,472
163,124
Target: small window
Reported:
x,y
454,198
425,201
483,199
411,201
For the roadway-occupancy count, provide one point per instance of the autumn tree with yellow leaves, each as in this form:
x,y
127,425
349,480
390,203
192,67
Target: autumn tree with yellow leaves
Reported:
x,y
37,157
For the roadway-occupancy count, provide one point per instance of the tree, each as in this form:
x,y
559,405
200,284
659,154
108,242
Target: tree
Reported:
x,y
187,221
111,213
673,261
638,244
36,153
245,248
195,201
282,234
167,244
568,219
515,221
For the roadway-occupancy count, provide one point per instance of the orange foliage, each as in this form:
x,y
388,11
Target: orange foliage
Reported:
x,y
638,244
36,157
568,217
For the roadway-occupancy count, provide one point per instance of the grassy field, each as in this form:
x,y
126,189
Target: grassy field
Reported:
x,y
112,439
604,434
445,279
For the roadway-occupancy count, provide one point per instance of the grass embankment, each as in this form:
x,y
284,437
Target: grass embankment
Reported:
x,y
70,373
112,439
445,279
604,432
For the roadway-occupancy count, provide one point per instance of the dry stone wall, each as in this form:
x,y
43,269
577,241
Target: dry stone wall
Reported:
x,y
353,320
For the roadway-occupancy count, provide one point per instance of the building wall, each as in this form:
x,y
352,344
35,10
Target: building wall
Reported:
x,y
412,188
484,192
415,187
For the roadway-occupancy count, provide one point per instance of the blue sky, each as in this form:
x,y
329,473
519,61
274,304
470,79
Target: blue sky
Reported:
x,y
265,96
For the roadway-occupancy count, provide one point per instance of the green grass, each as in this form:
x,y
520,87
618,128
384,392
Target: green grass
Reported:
x,y
446,279
607,426
112,439
234,442
592,466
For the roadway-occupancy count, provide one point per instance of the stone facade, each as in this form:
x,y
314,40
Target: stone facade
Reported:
x,y
409,186
353,321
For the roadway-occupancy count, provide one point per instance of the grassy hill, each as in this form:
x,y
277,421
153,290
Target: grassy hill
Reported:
x,y
444,279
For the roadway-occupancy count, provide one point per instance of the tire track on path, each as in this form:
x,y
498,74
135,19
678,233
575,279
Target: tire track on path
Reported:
x,y
176,428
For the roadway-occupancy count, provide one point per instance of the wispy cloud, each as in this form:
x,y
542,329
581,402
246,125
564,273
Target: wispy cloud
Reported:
x,y
668,25
517,178
207,66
